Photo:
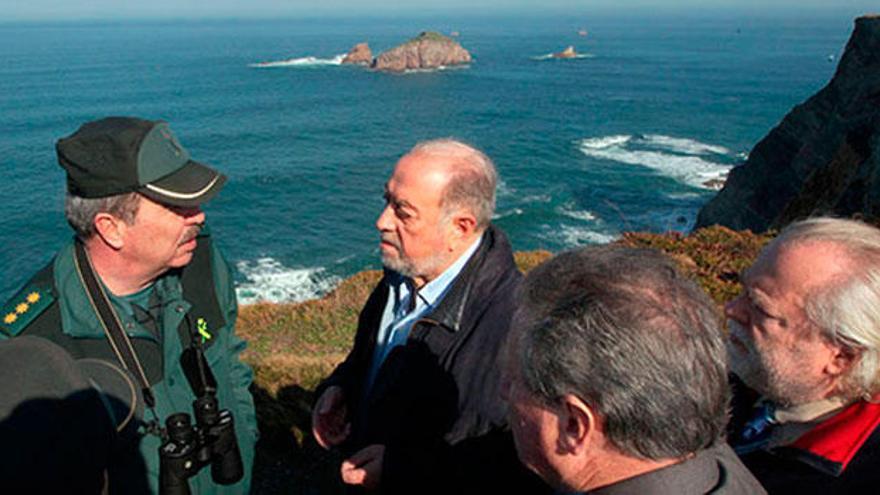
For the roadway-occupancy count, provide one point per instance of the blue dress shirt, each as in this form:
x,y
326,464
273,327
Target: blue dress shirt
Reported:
x,y
400,313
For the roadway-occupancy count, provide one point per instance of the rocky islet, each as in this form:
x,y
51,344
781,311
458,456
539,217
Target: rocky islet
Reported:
x,y
428,50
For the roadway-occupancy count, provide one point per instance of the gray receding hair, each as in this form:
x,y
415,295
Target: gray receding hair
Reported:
x,y
472,181
80,212
622,330
847,311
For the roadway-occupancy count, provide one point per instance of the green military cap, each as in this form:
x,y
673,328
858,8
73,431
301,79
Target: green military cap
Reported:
x,y
117,155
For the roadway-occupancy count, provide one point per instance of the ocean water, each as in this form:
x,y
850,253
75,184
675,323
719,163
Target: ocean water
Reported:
x,y
624,138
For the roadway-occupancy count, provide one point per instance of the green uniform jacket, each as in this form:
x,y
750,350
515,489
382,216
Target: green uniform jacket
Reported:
x,y
56,294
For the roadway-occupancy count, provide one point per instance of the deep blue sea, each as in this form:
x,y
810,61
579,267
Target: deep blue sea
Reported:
x,y
623,138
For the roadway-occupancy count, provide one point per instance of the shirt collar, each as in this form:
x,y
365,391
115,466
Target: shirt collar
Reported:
x,y
697,474
810,411
78,318
431,293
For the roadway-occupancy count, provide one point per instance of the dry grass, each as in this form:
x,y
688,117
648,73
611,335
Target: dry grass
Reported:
x,y
714,256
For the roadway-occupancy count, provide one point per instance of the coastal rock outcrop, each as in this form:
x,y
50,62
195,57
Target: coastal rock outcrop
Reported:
x,y
359,54
567,53
429,50
823,158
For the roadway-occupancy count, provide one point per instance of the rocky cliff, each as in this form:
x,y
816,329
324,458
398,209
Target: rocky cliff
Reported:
x,y
823,158
428,50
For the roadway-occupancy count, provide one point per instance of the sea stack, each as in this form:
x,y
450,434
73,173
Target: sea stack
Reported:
x,y
567,53
429,50
359,54
822,159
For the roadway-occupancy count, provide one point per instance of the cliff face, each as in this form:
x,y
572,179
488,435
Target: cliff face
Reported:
x,y
427,51
823,158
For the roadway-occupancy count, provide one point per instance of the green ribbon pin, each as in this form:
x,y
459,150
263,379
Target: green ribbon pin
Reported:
x,y
202,326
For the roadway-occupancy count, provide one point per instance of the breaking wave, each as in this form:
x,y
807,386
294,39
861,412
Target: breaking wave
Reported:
x,y
507,213
571,236
267,280
300,62
549,56
683,159
684,145
439,68
569,210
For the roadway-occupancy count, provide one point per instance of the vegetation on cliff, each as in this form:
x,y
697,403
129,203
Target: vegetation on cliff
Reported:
x,y
429,36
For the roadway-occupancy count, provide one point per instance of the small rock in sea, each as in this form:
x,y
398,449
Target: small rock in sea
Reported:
x,y
567,53
714,183
359,54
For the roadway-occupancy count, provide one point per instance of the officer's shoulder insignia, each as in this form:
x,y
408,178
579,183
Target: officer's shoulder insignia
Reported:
x,y
23,308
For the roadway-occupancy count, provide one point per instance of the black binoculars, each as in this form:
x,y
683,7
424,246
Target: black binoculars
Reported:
x,y
187,448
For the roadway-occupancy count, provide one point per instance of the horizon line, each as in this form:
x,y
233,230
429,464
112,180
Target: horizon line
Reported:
x,y
405,14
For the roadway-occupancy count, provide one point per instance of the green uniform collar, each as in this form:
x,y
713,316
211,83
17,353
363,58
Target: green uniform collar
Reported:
x,y
78,318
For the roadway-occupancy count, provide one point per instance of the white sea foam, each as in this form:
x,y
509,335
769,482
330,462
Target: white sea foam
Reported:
x,y
268,280
508,213
569,210
571,236
301,62
536,198
680,158
601,143
683,196
439,68
684,145
550,56
502,189
689,169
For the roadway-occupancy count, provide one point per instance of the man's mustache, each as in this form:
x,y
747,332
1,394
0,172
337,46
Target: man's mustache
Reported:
x,y
192,233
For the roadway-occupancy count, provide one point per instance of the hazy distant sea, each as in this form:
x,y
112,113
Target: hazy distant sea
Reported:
x,y
623,138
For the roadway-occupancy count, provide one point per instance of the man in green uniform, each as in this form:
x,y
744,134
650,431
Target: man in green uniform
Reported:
x,y
133,200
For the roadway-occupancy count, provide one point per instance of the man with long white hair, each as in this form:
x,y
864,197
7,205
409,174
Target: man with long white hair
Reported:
x,y
805,341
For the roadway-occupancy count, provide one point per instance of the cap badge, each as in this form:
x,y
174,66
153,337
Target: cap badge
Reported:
x,y
170,140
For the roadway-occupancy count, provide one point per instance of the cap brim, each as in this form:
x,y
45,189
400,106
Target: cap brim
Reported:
x,y
190,185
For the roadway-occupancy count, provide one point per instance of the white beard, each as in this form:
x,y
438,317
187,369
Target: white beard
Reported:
x,y
766,372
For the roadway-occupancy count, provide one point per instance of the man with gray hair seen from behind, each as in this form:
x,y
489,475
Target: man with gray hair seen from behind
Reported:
x,y
805,345
421,384
616,378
